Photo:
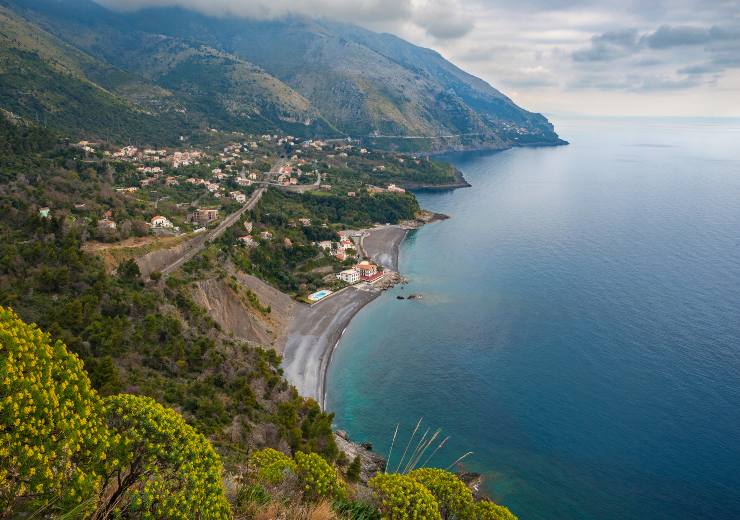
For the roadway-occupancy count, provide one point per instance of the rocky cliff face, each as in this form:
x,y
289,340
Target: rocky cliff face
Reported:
x,y
242,316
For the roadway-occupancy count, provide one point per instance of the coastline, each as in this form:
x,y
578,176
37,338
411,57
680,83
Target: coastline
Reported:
x,y
316,330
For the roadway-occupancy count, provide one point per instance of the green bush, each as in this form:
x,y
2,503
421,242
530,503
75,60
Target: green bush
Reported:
x,y
319,478
486,510
52,433
401,498
353,472
453,496
271,465
166,469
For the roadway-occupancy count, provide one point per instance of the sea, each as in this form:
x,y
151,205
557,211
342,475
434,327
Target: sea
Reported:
x,y
579,326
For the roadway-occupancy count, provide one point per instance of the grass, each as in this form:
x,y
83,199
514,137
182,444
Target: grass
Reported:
x,y
420,448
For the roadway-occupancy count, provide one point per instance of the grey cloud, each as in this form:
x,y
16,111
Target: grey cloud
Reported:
x,y
635,83
667,36
442,19
700,69
608,46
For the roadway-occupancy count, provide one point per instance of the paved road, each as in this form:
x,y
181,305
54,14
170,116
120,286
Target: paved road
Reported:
x,y
197,244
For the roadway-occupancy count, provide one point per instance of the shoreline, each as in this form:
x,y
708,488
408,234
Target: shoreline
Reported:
x,y
315,332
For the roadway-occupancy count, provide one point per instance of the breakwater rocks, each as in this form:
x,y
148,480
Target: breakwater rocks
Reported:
x,y
409,297
391,279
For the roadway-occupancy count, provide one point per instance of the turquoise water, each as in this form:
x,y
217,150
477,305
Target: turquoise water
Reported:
x,y
580,326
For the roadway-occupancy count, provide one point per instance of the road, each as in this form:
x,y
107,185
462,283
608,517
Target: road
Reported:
x,y
197,244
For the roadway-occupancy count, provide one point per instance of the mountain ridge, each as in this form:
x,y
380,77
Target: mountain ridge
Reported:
x,y
311,77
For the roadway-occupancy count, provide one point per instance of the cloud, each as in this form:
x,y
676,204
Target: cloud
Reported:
x,y
442,19
580,55
609,46
666,37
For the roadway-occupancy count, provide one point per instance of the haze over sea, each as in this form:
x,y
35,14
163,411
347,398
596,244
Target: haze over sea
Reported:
x,y
580,326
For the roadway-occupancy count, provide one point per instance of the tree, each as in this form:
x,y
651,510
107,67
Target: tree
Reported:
x,y
160,467
353,471
63,449
128,271
52,431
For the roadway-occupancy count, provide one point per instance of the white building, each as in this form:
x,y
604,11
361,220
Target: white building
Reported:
x,y
366,268
161,222
239,197
248,241
349,276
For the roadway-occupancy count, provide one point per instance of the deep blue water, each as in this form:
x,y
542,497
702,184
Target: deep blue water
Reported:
x,y
580,327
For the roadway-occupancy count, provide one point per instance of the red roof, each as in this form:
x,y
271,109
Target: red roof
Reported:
x,y
371,278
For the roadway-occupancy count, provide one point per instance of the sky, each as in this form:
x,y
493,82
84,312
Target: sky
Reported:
x,y
562,57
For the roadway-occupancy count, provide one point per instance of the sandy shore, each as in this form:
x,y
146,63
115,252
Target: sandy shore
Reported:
x,y
316,329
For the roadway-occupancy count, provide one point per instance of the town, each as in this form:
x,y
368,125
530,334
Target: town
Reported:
x,y
280,207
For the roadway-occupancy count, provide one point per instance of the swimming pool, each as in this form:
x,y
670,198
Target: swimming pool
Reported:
x,y
319,295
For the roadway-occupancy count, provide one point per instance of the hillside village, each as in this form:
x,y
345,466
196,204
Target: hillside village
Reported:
x,y
296,235
185,190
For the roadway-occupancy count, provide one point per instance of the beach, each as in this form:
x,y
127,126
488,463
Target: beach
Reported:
x,y
316,329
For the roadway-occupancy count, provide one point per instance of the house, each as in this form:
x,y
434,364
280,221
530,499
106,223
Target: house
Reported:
x,y
326,187
325,245
238,196
248,226
106,224
205,215
44,212
351,194
366,269
248,241
161,222
305,222
349,276
266,235
395,189
288,243
241,181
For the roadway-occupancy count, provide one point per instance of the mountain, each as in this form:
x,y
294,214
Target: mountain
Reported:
x,y
309,77
85,74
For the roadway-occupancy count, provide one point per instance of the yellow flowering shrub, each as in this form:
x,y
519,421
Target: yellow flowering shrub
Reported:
x,y
453,496
52,434
319,478
271,465
486,510
403,498
173,471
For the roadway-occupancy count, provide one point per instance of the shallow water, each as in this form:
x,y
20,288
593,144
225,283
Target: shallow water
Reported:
x,y
580,326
